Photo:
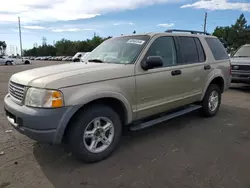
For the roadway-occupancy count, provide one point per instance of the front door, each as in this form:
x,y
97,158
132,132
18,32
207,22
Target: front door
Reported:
x,y
159,89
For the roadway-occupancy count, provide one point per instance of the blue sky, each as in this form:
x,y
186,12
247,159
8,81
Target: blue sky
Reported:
x,y
80,19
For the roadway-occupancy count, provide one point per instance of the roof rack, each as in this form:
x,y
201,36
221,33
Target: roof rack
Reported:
x,y
188,31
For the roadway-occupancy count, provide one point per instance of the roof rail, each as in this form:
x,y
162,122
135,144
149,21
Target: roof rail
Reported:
x,y
188,31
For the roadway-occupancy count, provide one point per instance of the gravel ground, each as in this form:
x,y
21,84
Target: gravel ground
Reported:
x,y
189,151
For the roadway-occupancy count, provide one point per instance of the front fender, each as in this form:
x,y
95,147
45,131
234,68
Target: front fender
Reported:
x,y
79,102
107,94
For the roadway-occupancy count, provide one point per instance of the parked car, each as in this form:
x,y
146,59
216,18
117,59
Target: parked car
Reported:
x,y
241,65
135,81
77,56
20,61
52,59
67,58
84,56
5,60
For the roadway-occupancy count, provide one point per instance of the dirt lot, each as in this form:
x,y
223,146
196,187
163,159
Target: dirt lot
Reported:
x,y
189,152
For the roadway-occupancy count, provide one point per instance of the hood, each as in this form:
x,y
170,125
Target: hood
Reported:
x,y
66,75
240,60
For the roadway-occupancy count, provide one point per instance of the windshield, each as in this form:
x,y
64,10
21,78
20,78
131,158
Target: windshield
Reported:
x,y
122,50
244,51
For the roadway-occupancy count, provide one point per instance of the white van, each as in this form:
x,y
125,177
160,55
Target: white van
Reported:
x,y
77,56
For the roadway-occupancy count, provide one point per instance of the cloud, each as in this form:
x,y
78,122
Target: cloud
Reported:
x,y
66,30
166,25
33,27
219,5
123,23
23,31
64,10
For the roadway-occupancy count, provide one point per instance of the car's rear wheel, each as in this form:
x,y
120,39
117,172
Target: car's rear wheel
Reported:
x,y
211,101
95,133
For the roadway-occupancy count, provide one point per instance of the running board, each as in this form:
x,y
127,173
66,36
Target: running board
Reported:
x,y
165,118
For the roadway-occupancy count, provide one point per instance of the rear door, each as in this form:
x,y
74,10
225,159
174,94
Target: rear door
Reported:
x,y
192,63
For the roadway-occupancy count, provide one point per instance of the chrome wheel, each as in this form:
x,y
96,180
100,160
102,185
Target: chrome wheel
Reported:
x,y
98,135
213,101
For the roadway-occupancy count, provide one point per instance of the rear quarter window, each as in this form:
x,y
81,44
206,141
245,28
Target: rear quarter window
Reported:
x,y
217,49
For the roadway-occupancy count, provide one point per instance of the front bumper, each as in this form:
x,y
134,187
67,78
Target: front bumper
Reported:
x,y
43,125
241,77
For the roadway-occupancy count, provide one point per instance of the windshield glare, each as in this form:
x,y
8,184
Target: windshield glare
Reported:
x,y
244,51
122,50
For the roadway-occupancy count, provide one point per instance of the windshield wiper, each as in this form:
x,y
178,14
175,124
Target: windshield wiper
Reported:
x,y
95,60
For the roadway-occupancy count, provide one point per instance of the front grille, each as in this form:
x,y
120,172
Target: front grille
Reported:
x,y
16,91
241,67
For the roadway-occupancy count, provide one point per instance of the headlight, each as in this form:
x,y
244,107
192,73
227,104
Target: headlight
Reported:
x,y
44,98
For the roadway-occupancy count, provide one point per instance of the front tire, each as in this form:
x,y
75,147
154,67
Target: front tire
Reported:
x,y
8,63
211,101
95,133
26,62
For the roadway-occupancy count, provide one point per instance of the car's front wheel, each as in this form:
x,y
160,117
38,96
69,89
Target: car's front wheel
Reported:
x,y
26,62
8,63
95,133
211,101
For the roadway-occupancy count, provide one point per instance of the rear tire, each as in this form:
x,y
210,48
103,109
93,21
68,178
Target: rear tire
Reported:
x,y
211,101
88,128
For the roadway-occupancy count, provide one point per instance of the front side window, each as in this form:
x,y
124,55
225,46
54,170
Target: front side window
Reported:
x,y
165,48
244,51
120,50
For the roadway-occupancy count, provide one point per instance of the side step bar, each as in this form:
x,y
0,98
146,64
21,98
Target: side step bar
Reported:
x,y
164,118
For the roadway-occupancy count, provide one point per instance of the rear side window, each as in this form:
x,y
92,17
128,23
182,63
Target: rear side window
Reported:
x,y
217,48
202,56
188,49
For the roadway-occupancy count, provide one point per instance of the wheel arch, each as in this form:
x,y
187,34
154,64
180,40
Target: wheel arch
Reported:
x,y
26,62
122,108
218,80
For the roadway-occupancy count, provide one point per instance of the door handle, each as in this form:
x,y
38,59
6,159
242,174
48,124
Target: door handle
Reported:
x,y
207,67
176,72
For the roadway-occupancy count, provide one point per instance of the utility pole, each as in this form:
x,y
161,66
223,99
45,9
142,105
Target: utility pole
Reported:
x,y
44,41
205,23
20,36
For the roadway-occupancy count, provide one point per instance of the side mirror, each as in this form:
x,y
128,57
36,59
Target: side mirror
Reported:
x,y
152,62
